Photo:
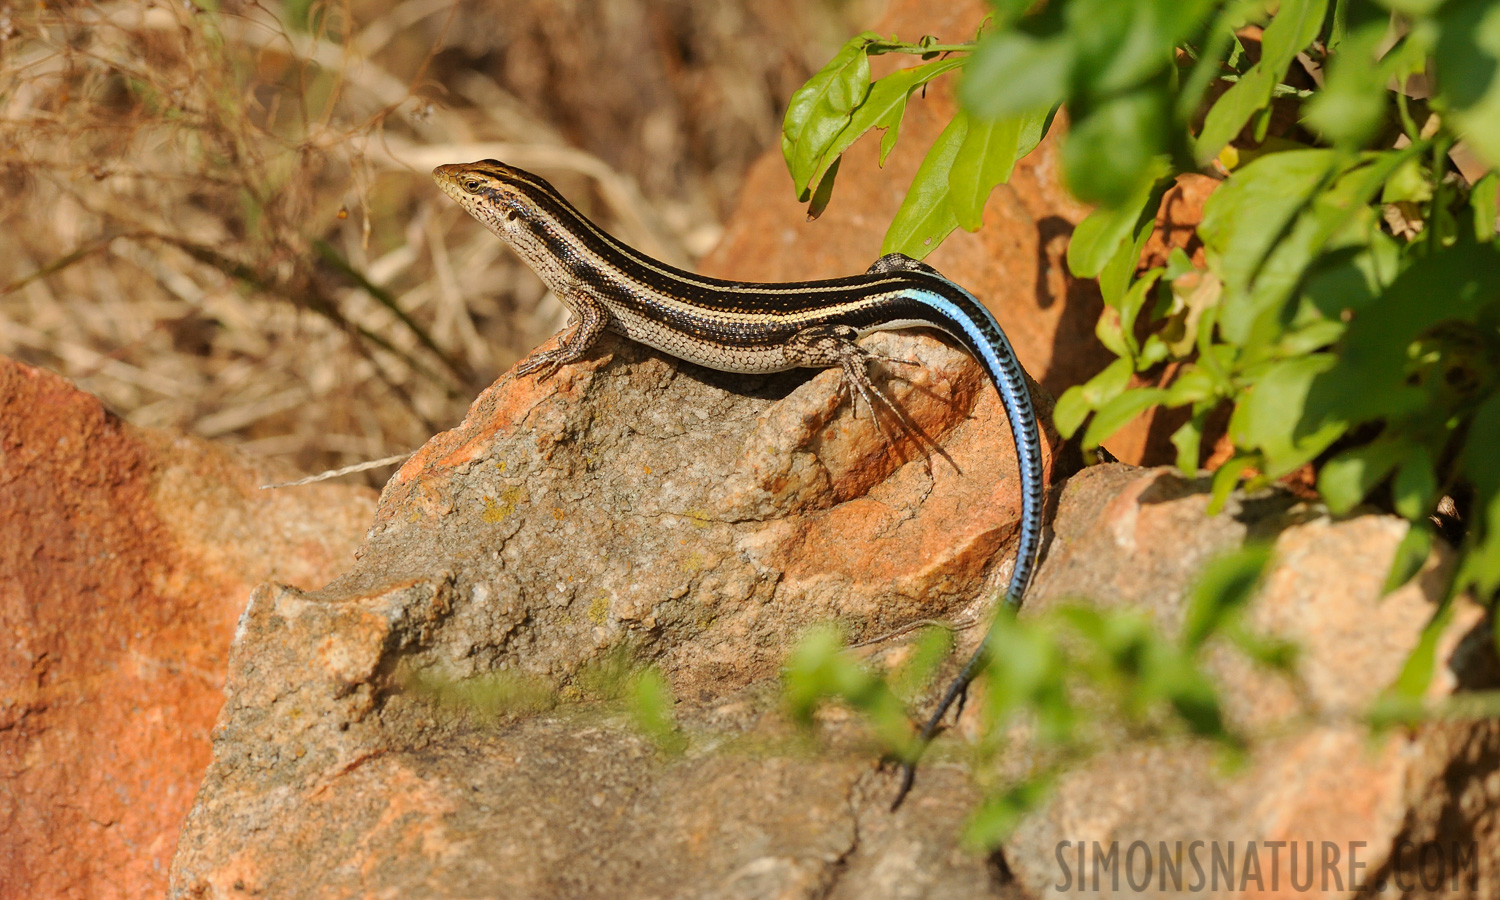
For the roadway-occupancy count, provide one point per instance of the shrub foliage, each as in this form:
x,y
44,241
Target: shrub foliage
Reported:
x,y
1346,306
1344,311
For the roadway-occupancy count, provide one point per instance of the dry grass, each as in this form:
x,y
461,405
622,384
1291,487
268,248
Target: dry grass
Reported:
x,y
222,221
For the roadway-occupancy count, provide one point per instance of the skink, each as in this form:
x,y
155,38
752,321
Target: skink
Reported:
x,y
737,326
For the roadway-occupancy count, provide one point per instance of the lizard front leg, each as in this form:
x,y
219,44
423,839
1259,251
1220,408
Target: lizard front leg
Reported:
x,y
589,319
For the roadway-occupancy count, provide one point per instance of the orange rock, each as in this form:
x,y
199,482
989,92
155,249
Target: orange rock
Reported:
x,y
697,519
128,555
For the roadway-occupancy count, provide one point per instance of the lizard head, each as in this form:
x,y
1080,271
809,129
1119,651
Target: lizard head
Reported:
x,y
502,197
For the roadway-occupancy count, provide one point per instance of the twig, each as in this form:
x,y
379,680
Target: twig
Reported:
x,y
334,473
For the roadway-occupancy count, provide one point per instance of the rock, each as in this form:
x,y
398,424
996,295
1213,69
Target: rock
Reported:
x,y
635,503
431,723
128,555
1138,539
629,503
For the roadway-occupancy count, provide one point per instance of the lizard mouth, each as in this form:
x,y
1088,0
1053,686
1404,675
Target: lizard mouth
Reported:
x,y
447,179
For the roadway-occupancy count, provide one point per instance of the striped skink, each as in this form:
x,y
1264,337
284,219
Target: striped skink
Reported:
x,y
753,328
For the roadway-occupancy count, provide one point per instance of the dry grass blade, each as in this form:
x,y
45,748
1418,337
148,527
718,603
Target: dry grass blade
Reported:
x,y
218,216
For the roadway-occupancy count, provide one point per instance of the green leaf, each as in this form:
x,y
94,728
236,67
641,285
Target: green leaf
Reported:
x,y
1071,409
883,107
1192,696
1223,589
1243,219
1108,384
1344,280
1352,105
1023,668
1226,479
1187,321
1481,565
1295,25
820,669
1111,335
926,215
1119,148
1102,232
824,191
1251,317
1346,115
1034,128
1272,652
1129,309
1192,385
1154,351
1414,8
651,701
1178,264
1408,182
1078,401
1410,555
998,815
1012,74
1097,392
1123,46
1135,299
1217,41
1467,60
1114,415
1117,274
1414,490
1313,337
1270,419
931,648
1372,379
1416,673
820,110
1480,569
988,155
1188,439
1349,477
1483,198
814,671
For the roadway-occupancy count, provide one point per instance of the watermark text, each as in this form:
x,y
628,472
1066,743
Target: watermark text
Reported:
x,y
1261,866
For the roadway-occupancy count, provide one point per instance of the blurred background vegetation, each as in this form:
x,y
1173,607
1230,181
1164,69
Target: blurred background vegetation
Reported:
x,y
218,217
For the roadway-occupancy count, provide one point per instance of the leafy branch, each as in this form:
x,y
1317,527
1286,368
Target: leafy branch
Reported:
x,y
1343,314
1072,673
1344,311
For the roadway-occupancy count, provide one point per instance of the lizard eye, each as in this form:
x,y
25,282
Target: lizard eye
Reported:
x,y
472,185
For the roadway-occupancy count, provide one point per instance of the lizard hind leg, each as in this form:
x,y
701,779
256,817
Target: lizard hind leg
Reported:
x,y
825,346
899,262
